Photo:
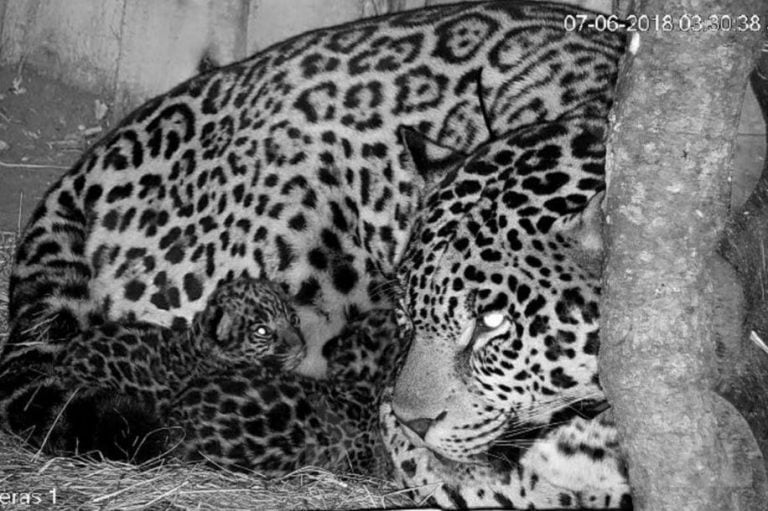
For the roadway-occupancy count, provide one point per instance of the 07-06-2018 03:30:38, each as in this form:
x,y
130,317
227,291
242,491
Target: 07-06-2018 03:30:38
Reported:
x,y
664,23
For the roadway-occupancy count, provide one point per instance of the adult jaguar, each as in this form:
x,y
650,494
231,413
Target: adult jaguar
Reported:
x,y
287,166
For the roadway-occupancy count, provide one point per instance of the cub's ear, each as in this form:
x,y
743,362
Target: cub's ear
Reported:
x,y
224,327
214,324
426,158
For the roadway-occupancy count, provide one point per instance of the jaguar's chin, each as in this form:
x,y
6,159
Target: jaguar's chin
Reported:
x,y
448,459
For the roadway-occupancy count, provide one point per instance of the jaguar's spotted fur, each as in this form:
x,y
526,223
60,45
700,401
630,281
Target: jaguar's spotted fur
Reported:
x,y
288,166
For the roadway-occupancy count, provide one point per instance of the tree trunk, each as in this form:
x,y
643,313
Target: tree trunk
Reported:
x,y
668,170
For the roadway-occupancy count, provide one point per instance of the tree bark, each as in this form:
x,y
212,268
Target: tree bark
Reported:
x,y
668,170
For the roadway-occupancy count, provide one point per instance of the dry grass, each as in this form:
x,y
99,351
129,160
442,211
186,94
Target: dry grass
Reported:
x,y
85,485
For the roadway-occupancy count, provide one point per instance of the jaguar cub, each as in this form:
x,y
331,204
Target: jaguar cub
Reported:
x,y
178,393
138,368
246,417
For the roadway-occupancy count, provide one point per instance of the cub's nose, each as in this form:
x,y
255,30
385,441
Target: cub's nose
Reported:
x,y
421,425
293,337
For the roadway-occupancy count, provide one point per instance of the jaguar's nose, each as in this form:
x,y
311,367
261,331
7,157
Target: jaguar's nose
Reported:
x,y
421,425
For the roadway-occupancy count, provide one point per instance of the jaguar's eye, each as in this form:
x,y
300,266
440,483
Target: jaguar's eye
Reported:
x,y
294,319
262,331
493,320
484,328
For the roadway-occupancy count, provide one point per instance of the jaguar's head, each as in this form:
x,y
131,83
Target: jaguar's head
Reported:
x,y
500,284
252,321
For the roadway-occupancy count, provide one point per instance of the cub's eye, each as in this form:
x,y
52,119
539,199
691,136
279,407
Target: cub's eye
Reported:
x,y
262,331
493,320
294,319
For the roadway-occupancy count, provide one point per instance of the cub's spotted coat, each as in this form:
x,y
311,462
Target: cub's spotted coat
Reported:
x,y
132,372
252,419
220,392
245,321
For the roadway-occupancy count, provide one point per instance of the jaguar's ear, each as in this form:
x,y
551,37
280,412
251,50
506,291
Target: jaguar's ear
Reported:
x,y
427,158
585,230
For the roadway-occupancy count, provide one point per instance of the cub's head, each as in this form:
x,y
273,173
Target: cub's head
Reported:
x,y
500,287
252,321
